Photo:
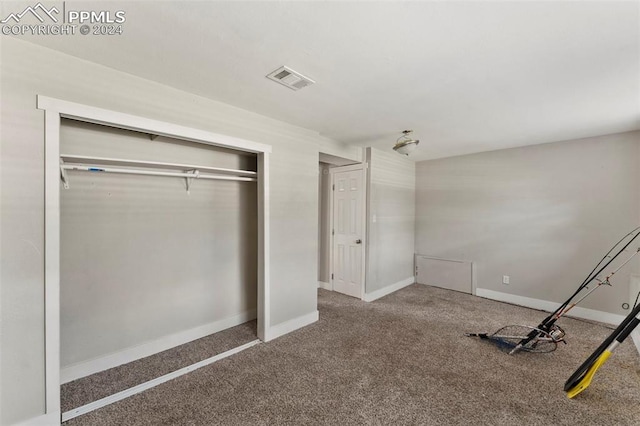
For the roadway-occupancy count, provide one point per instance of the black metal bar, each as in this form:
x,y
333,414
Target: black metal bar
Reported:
x,y
581,371
548,322
543,325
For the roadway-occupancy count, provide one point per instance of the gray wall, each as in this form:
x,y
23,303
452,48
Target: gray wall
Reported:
x,y
544,214
324,215
28,70
142,259
391,219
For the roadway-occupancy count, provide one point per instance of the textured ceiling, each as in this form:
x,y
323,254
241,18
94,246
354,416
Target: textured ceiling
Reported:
x,y
466,76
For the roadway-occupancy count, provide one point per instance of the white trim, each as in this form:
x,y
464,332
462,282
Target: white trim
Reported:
x,y
52,261
366,159
86,368
365,227
324,285
264,251
120,120
545,305
54,110
42,420
349,168
286,327
68,415
330,230
375,295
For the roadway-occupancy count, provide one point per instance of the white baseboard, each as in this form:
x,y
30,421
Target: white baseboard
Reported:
x,y
42,420
545,305
86,368
374,295
291,325
326,286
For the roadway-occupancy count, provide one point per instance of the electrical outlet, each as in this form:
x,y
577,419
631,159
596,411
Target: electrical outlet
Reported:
x,y
505,279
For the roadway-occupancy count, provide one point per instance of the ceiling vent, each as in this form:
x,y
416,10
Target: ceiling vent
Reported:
x,y
290,78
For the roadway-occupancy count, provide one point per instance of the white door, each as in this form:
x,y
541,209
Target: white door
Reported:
x,y
348,230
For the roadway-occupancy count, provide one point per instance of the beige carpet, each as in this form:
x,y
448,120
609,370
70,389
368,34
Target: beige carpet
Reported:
x,y
400,360
91,388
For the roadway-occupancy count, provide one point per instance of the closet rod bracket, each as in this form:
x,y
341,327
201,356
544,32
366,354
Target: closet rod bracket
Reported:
x,y
191,175
63,175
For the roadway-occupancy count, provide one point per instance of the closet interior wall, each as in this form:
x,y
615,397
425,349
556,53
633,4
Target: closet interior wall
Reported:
x,y
143,259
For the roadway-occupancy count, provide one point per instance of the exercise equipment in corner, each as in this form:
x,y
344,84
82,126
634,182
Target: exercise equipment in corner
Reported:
x,y
546,335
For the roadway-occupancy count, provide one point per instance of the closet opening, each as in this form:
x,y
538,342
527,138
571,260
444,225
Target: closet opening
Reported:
x,y
156,252
158,249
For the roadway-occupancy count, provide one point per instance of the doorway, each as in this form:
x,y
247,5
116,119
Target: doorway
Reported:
x,y
341,225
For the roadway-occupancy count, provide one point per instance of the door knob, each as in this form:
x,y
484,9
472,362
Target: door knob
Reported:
x,y
358,241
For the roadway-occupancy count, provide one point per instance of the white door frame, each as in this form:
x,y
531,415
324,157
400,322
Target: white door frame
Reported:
x,y
353,167
54,111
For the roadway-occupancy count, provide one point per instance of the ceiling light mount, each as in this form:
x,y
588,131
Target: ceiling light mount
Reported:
x,y
405,144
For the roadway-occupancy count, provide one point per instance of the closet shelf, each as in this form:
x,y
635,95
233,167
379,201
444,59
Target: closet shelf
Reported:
x,y
149,168
79,159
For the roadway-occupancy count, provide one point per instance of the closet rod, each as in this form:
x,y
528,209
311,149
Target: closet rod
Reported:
x,y
140,164
187,175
